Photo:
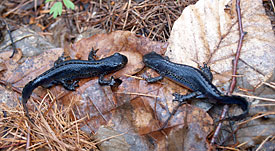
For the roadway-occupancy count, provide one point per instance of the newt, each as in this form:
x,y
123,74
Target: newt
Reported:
x,y
67,73
198,81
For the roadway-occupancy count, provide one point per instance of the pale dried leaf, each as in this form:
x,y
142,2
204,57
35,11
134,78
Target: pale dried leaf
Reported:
x,y
112,140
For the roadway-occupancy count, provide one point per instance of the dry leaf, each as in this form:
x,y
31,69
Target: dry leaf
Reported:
x,y
112,140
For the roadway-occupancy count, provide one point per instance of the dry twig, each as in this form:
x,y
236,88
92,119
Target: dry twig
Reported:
x,y
233,82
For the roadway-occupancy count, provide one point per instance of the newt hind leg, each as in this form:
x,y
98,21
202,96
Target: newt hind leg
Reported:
x,y
92,55
206,71
60,60
70,85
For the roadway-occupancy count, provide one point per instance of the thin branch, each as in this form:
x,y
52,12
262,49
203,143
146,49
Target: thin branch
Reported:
x,y
234,81
240,43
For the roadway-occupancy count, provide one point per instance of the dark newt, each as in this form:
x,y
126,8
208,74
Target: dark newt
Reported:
x,y
198,81
68,72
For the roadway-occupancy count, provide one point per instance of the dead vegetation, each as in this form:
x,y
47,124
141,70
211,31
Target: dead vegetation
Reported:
x,y
60,130
151,18
57,130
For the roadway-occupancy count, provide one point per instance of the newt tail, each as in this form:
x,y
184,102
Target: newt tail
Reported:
x,y
233,99
26,93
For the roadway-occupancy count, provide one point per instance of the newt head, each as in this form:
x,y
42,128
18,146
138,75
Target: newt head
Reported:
x,y
120,60
115,62
153,60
